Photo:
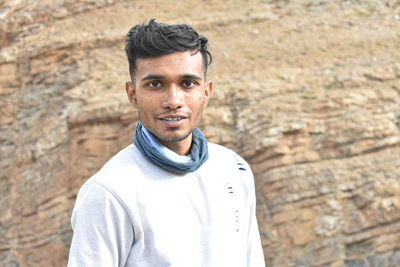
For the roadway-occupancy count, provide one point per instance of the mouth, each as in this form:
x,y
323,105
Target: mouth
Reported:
x,y
173,120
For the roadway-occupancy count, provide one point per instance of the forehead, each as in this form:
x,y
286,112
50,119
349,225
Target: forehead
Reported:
x,y
174,64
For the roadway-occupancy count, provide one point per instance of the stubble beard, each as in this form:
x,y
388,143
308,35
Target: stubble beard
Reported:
x,y
175,139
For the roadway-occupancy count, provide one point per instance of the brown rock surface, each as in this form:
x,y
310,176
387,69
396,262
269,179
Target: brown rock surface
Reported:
x,y
307,91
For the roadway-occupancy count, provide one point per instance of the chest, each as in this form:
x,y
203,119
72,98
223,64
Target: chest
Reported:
x,y
201,214
208,201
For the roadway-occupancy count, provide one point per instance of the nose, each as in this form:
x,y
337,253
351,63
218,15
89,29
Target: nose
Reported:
x,y
173,98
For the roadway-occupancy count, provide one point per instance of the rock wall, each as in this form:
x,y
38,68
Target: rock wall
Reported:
x,y
308,91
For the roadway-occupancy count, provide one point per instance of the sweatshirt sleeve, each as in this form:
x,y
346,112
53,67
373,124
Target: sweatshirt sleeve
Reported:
x,y
103,233
255,255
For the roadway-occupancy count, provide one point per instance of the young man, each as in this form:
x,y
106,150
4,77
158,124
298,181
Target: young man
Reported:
x,y
170,198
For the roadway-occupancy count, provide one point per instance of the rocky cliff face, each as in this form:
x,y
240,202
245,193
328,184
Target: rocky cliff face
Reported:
x,y
307,91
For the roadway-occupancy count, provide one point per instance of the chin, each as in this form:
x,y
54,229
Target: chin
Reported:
x,y
177,137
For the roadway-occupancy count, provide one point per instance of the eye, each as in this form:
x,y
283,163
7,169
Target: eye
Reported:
x,y
154,84
188,83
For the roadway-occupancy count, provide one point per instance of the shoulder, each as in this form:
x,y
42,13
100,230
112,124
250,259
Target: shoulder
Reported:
x,y
216,150
122,171
124,163
220,153
226,162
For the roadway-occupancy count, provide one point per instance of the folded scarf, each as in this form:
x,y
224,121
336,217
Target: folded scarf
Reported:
x,y
167,159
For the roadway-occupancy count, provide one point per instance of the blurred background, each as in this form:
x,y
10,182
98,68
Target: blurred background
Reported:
x,y
308,91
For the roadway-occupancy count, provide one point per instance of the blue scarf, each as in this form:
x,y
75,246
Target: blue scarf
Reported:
x,y
198,151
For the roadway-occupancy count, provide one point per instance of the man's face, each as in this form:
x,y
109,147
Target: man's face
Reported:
x,y
170,93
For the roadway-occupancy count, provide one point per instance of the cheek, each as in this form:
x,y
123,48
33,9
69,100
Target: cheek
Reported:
x,y
147,103
197,106
196,100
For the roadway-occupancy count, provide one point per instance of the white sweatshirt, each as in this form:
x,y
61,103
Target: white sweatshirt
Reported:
x,y
133,213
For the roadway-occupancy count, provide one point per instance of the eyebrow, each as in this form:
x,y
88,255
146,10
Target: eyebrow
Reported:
x,y
161,77
152,77
191,76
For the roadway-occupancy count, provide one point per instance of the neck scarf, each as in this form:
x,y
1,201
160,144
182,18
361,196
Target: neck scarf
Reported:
x,y
156,153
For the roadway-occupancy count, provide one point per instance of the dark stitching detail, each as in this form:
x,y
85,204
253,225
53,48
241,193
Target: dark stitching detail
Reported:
x,y
242,169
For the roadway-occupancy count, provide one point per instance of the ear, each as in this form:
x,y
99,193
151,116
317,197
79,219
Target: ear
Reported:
x,y
131,92
207,93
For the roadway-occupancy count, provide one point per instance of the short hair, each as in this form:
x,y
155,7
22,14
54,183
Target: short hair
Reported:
x,y
157,39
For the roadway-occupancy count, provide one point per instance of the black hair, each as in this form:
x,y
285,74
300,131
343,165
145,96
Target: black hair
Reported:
x,y
157,39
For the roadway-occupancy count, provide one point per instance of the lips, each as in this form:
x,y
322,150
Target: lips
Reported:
x,y
172,116
173,120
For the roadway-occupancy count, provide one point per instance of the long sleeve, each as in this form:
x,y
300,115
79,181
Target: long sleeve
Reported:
x,y
255,255
103,234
